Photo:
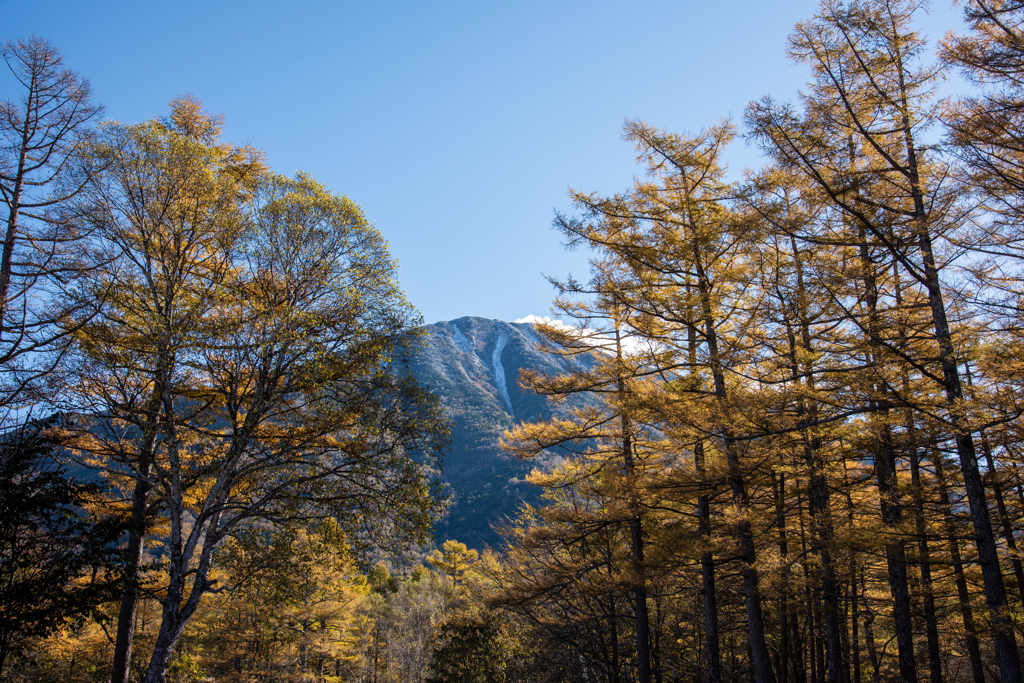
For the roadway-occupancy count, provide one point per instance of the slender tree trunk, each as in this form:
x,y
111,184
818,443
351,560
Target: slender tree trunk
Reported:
x,y
823,535
885,470
656,635
1019,484
844,634
854,621
799,642
614,641
810,618
762,665
917,493
966,612
707,571
130,595
1004,515
820,507
812,638
819,643
136,534
869,633
639,570
997,493
799,664
779,484
707,561
851,564
895,554
988,556
14,206
639,578
925,563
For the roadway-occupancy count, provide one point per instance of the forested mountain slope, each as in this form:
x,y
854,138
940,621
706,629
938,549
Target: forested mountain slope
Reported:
x,y
473,365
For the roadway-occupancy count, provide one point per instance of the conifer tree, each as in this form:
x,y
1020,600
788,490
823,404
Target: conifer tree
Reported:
x,y
675,261
860,143
614,443
43,137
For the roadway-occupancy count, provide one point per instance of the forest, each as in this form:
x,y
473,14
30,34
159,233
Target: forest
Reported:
x,y
804,462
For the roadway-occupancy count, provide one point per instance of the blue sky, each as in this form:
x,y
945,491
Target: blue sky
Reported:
x,y
457,126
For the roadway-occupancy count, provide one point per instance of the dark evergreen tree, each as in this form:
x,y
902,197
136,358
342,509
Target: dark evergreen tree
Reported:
x,y
58,554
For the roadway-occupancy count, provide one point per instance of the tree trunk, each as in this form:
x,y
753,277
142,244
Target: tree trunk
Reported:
x,y
643,629
885,470
1004,515
809,618
779,484
895,555
707,570
707,562
966,612
136,535
854,621
762,665
636,531
130,595
988,557
14,209
820,508
925,563
869,633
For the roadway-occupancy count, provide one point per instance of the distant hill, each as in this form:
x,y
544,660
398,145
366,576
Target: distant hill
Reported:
x,y
473,365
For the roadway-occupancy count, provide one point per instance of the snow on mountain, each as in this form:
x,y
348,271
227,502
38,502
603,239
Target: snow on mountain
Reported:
x,y
462,343
499,370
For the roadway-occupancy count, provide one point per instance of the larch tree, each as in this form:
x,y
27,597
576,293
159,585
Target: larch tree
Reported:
x,y
610,447
862,143
799,326
675,263
43,135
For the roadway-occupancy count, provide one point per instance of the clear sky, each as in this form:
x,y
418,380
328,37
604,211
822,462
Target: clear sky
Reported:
x,y
457,126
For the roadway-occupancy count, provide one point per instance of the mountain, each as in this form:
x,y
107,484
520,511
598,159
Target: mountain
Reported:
x,y
473,365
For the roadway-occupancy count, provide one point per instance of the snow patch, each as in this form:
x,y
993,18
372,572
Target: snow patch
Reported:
x,y
461,341
499,370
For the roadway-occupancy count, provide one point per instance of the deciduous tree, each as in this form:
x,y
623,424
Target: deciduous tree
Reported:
x,y
245,365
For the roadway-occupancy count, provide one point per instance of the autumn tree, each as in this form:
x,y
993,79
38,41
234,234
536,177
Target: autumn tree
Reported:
x,y
682,256
162,204
861,142
241,368
454,560
43,132
610,445
798,331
